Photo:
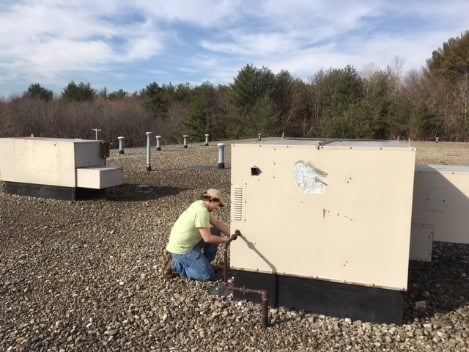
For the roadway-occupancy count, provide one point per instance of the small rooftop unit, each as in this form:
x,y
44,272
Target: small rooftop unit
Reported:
x,y
56,167
440,208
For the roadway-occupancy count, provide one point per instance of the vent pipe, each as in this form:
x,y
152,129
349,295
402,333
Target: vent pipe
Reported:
x,y
158,142
121,140
221,155
148,151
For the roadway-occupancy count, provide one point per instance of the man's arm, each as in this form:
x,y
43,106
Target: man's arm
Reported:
x,y
209,238
220,225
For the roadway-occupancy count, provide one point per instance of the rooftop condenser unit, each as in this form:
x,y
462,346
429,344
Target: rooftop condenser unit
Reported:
x,y
326,226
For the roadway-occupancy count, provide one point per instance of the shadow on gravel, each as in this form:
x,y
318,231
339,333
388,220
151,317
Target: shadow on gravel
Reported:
x,y
140,192
439,286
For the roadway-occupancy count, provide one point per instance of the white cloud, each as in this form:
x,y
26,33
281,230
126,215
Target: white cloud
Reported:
x,y
296,29
335,34
255,44
141,48
206,13
44,39
55,41
63,54
333,13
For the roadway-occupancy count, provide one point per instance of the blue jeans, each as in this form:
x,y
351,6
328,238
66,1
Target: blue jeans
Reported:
x,y
195,264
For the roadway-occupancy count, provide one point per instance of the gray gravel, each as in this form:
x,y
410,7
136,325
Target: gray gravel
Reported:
x,y
86,276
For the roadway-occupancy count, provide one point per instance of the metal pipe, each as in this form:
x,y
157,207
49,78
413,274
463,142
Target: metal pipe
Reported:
x,y
206,139
225,265
225,255
184,143
264,301
148,151
158,142
121,144
323,143
96,130
264,308
221,155
230,285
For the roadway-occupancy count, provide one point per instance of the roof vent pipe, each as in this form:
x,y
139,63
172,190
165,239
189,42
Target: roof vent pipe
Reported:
x,y
121,140
158,142
96,130
148,151
221,155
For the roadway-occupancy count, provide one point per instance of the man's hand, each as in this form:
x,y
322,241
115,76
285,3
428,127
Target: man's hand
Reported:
x,y
234,236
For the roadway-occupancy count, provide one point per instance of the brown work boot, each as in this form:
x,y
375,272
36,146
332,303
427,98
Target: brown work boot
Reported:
x,y
168,268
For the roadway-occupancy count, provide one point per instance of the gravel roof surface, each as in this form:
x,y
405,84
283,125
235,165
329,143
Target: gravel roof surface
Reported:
x,y
86,276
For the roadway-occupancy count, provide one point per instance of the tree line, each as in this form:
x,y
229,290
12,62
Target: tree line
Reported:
x,y
335,103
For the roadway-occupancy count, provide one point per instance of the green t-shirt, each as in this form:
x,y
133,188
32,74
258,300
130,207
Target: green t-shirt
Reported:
x,y
185,234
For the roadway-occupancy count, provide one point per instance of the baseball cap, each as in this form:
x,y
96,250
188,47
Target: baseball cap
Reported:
x,y
214,193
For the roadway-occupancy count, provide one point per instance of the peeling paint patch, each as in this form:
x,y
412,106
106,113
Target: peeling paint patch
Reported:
x,y
307,177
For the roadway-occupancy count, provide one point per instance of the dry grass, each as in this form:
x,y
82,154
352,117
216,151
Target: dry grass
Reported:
x,y
449,153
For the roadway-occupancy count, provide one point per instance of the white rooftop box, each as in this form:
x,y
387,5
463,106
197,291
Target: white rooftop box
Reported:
x,y
55,162
440,207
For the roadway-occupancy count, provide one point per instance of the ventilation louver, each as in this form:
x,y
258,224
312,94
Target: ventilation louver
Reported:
x,y
238,202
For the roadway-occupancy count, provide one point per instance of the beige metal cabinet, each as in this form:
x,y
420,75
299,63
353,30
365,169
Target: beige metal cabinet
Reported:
x,y
339,211
56,162
441,202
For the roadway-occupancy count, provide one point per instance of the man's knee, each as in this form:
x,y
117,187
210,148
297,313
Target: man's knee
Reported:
x,y
205,275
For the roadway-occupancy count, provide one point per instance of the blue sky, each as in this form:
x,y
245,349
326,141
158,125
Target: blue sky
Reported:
x,y
126,45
